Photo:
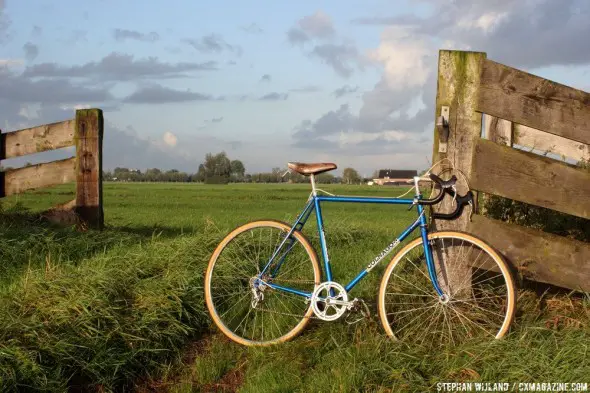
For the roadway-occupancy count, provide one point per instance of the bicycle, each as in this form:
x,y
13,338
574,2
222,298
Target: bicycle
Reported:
x,y
263,282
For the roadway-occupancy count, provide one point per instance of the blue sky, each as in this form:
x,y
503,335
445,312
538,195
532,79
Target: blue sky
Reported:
x,y
351,82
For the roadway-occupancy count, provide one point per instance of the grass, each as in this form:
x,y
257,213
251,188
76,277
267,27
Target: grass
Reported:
x,y
109,310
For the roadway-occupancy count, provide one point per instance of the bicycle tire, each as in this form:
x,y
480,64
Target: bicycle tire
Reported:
x,y
253,340
420,300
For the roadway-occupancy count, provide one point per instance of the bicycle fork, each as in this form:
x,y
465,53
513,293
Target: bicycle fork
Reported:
x,y
428,254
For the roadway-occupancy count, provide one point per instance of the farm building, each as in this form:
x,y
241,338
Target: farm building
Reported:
x,y
394,176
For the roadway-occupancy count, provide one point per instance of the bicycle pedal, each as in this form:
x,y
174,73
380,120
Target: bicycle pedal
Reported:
x,y
358,306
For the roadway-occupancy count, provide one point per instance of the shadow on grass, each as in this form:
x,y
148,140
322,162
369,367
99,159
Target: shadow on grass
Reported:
x,y
151,232
30,241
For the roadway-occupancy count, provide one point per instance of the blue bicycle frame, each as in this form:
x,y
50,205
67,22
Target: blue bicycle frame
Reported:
x,y
314,204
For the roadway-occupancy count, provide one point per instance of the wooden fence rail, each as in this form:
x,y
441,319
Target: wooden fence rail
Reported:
x,y
85,132
531,113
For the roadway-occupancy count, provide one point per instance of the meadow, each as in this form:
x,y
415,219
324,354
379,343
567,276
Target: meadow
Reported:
x,y
123,310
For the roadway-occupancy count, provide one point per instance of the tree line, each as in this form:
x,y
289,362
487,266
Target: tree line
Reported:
x,y
220,169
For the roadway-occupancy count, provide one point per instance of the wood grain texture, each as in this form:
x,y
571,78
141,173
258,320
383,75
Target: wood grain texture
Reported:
x,y
530,178
526,99
543,141
458,84
37,139
89,134
537,255
498,130
39,176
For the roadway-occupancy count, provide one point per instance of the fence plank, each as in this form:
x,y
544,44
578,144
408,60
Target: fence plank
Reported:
x,y
539,256
539,140
89,133
38,176
530,178
498,130
37,139
535,102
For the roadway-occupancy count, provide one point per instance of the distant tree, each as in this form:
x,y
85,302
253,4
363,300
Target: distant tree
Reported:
x,y
154,174
217,168
324,178
376,174
237,170
174,175
277,175
350,176
200,175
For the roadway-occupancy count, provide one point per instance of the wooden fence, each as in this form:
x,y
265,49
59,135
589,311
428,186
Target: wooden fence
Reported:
x,y
85,132
517,109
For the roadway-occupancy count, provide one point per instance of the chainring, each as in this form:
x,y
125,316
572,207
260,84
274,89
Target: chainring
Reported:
x,y
326,306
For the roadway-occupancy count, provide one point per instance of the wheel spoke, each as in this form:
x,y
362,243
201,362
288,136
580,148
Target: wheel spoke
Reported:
x,y
277,315
480,303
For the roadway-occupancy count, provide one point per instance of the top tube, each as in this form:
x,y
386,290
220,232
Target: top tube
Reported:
x,y
362,199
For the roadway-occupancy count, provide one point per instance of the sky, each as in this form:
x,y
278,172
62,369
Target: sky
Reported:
x,y
343,81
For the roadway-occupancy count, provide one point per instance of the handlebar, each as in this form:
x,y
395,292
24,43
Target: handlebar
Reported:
x,y
461,200
443,185
447,187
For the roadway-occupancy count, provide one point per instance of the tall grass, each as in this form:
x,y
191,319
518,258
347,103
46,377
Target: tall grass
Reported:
x,y
123,308
105,321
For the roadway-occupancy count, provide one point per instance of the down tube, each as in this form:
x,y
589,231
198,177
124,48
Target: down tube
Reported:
x,y
318,214
384,253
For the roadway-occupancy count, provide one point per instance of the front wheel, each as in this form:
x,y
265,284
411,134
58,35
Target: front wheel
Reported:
x,y
479,292
242,306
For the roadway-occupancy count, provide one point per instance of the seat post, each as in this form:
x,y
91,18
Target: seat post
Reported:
x,y
313,190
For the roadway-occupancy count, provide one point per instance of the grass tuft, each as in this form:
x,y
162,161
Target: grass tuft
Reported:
x,y
107,320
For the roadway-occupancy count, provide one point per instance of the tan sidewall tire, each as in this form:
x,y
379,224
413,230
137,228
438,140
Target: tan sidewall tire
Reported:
x,y
418,242
208,300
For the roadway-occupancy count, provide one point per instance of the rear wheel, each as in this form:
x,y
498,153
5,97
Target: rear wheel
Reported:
x,y
242,307
479,292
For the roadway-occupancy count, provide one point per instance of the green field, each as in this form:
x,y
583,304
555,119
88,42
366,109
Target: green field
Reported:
x,y
106,311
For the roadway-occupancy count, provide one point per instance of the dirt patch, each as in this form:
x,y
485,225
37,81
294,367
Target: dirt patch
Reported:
x,y
229,383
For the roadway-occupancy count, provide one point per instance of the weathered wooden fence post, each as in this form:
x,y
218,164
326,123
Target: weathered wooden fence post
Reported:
x,y
88,139
2,157
458,87
458,83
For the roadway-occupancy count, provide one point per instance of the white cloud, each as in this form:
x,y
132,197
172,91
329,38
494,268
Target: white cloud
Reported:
x,y
170,139
11,62
353,138
403,56
75,107
317,25
28,113
486,22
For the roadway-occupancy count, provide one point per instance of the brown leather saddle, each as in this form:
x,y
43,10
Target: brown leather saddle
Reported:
x,y
311,169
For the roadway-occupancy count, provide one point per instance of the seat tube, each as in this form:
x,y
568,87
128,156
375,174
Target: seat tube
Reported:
x,y
428,251
318,214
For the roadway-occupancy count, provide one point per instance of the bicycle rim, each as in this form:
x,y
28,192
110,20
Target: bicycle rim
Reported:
x,y
277,316
477,283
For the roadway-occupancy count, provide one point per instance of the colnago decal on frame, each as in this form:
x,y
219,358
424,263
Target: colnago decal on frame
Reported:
x,y
384,253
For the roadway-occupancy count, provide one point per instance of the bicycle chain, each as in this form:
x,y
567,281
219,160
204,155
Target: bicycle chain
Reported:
x,y
312,316
365,314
